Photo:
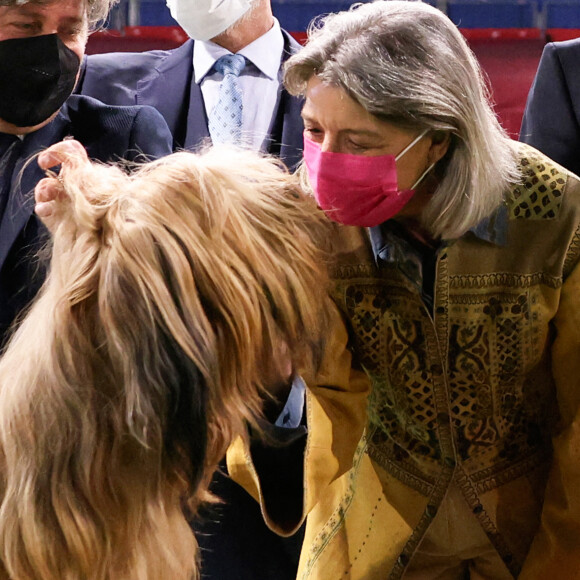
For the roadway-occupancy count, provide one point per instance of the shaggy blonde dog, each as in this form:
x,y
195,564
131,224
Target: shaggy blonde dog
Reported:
x,y
172,297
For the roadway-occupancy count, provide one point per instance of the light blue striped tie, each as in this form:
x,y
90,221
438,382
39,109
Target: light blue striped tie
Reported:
x,y
225,119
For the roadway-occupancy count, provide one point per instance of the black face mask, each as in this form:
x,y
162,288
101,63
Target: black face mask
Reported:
x,y
38,75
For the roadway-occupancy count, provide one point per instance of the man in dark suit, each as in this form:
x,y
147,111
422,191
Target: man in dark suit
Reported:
x,y
183,85
44,43
551,121
171,82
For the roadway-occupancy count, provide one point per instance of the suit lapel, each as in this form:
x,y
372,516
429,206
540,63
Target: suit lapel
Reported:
x,y
286,139
197,131
167,89
20,205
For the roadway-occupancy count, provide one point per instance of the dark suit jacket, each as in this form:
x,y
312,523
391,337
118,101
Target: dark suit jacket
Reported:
x,y
108,133
551,120
162,79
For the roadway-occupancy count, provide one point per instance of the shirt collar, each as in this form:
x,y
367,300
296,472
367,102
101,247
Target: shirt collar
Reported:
x,y
491,229
265,53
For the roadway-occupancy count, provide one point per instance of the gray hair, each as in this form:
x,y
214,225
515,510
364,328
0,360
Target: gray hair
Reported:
x,y
96,10
406,63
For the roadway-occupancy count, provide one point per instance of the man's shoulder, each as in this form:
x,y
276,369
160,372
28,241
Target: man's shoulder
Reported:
x,y
564,47
140,61
112,130
114,77
135,64
564,55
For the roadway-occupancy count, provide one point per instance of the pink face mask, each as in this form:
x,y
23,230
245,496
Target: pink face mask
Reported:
x,y
357,190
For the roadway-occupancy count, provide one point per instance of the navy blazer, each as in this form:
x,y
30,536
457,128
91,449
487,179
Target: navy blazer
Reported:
x,y
162,79
108,133
551,121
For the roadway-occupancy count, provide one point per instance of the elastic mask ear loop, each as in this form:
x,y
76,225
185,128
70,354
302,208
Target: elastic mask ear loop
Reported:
x,y
411,144
414,186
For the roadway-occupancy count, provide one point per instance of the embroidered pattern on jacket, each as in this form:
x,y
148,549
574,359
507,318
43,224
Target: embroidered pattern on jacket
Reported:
x,y
540,194
491,337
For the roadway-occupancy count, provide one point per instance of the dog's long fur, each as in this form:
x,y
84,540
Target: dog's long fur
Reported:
x,y
172,295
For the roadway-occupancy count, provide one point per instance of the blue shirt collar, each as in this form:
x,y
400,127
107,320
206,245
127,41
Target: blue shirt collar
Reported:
x,y
491,229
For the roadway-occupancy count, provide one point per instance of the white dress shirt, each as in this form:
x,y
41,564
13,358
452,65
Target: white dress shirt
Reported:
x,y
260,82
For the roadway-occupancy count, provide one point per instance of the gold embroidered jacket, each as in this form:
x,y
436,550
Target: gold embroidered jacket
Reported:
x,y
482,386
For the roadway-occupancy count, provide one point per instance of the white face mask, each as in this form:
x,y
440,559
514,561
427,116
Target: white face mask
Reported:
x,y
205,19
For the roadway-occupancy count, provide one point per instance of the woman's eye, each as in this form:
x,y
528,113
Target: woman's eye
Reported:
x,y
358,146
313,132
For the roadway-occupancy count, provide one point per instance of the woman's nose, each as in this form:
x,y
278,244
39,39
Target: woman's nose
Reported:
x,y
329,144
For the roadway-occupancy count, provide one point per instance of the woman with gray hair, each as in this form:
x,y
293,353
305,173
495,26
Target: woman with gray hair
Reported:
x,y
461,283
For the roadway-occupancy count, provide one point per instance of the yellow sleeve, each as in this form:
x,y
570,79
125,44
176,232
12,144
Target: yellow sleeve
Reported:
x,y
555,551
336,416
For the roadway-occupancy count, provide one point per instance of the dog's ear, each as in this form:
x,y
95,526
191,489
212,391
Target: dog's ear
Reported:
x,y
167,398
186,435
